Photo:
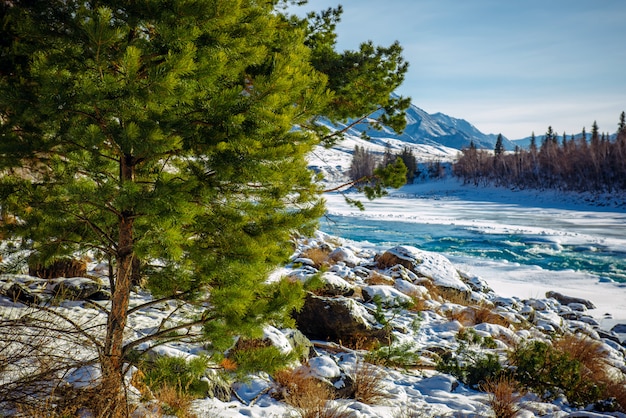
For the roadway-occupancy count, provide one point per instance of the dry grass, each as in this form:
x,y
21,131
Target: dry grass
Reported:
x,y
174,401
375,278
419,304
485,314
307,395
319,256
588,352
77,402
504,396
368,383
591,355
616,388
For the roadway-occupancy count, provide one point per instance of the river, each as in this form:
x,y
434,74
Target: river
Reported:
x,y
550,232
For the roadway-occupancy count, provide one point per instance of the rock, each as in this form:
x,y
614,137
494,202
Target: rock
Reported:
x,y
512,303
477,284
333,285
99,296
400,272
342,271
578,307
388,296
303,273
411,289
611,336
338,319
434,266
19,293
567,300
345,255
619,329
277,339
588,320
76,288
537,304
300,343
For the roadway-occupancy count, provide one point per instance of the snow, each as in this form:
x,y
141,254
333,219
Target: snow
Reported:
x,y
419,391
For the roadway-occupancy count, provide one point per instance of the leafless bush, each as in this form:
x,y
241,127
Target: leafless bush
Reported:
x,y
40,350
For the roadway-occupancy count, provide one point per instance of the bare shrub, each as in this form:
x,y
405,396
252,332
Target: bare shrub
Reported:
x,y
40,347
62,267
368,383
504,396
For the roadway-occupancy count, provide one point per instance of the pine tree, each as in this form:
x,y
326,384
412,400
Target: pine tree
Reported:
x,y
409,160
164,133
499,147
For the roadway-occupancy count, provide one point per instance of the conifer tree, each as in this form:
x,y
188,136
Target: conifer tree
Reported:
x,y
163,132
408,157
499,147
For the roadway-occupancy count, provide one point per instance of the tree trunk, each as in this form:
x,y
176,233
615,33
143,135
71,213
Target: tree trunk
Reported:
x,y
112,360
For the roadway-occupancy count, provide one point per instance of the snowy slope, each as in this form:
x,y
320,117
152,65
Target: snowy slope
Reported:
x,y
436,130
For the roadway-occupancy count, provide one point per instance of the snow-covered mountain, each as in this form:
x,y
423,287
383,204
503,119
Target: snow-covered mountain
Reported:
x,y
431,138
436,130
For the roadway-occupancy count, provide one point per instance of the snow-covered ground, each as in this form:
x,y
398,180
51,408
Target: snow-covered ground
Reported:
x,y
420,391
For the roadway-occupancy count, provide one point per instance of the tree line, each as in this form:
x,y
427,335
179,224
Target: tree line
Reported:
x,y
364,164
587,163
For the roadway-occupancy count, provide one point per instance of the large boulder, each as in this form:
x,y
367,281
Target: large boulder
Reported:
x,y
18,293
567,300
387,296
334,285
76,288
338,319
437,268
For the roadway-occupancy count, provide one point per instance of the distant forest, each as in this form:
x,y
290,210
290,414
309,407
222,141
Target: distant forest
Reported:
x,y
596,164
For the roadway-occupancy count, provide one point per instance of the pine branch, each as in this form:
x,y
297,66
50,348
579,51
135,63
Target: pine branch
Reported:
x,y
164,332
178,296
350,126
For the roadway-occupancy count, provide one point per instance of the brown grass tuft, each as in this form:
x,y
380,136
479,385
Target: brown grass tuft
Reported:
x,y
319,256
616,389
504,396
307,395
228,364
175,401
588,352
368,383
376,278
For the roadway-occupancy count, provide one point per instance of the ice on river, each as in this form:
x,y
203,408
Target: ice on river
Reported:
x,y
523,243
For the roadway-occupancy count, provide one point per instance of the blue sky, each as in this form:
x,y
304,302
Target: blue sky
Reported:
x,y
506,66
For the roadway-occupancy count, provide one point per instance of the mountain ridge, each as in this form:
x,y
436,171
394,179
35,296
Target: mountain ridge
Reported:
x,y
436,129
